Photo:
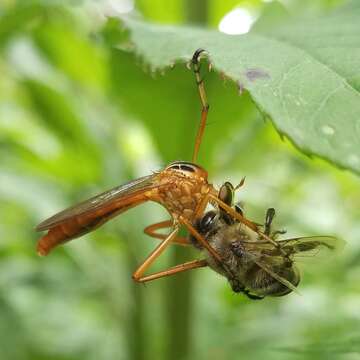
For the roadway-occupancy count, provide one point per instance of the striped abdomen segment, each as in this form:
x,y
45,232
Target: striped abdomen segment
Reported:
x,y
77,226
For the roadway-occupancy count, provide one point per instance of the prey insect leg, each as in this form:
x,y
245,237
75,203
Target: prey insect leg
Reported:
x,y
252,296
205,106
269,217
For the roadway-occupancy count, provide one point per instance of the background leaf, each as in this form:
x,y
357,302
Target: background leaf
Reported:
x,y
307,97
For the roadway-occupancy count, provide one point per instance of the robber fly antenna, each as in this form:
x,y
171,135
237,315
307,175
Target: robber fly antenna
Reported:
x,y
195,62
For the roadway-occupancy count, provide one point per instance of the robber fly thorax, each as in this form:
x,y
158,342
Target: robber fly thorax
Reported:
x,y
182,186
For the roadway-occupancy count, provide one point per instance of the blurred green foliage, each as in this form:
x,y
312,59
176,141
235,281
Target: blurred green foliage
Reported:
x,y
77,116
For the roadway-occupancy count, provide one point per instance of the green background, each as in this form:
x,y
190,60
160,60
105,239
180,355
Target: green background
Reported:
x,y
78,115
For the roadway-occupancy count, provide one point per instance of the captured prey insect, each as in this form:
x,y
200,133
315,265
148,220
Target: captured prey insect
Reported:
x,y
256,267
183,189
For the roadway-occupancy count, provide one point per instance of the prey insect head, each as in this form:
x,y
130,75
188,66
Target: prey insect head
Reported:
x,y
207,222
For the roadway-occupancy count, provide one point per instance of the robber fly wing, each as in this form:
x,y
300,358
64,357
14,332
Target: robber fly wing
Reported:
x,y
90,214
112,198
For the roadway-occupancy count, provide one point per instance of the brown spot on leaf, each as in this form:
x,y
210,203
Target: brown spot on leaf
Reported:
x,y
255,74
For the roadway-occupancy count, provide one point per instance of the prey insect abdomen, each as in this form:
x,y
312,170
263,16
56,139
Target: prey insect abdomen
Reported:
x,y
261,283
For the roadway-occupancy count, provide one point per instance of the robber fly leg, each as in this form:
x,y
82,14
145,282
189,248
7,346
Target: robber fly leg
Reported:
x,y
204,243
137,276
195,62
151,230
200,239
195,264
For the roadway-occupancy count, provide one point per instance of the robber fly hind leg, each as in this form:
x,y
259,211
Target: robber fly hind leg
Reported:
x,y
138,275
151,230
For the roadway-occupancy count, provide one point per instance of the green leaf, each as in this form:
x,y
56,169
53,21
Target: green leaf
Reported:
x,y
157,10
273,15
332,40
16,19
309,99
169,107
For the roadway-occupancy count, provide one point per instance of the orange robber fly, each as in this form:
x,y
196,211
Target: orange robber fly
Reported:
x,y
183,189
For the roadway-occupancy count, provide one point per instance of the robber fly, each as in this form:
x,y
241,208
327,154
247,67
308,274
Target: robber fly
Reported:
x,y
256,267
181,187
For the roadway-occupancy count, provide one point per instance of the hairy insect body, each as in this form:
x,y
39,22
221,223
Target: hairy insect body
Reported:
x,y
236,244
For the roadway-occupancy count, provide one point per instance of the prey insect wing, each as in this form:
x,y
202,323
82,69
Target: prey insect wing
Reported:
x,y
265,255
311,245
307,245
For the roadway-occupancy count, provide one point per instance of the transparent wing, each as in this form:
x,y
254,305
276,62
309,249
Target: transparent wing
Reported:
x,y
267,264
111,199
301,246
269,257
311,246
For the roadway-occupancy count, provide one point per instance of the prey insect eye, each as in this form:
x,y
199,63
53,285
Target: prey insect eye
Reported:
x,y
207,221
